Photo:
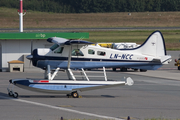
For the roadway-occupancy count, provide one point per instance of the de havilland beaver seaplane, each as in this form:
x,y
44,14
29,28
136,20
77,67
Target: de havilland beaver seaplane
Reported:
x,y
79,54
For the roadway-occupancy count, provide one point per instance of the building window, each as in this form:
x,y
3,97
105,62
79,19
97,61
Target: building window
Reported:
x,y
91,52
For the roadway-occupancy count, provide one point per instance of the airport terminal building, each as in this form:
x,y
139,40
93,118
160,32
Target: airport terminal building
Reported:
x,y
16,46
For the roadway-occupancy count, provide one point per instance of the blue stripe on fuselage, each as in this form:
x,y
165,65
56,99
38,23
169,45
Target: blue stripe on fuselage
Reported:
x,y
99,64
78,63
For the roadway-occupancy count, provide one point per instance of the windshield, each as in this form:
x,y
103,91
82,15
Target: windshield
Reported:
x,y
54,47
59,50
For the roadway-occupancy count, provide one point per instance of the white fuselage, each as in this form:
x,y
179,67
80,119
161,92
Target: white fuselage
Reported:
x,y
149,56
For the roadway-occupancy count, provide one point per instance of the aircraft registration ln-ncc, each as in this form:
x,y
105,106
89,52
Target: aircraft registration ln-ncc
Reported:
x,y
79,54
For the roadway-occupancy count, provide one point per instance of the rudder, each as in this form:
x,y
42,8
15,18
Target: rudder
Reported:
x,y
154,45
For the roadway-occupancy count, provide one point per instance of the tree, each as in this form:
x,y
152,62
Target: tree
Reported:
x,y
94,6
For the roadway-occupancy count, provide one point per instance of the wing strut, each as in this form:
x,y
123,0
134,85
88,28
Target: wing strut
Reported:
x,y
49,72
70,75
105,76
85,74
51,76
69,57
69,72
54,74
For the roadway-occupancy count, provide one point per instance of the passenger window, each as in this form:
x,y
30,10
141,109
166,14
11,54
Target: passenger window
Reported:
x,y
59,50
101,53
91,52
77,52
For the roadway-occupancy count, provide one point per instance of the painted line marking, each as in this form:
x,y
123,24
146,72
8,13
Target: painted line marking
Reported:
x,y
61,108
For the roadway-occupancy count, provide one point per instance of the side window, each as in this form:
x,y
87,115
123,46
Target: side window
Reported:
x,y
91,52
59,50
101,53
77,52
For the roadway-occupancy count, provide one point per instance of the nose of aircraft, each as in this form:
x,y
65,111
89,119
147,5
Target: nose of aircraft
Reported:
x,y
29,57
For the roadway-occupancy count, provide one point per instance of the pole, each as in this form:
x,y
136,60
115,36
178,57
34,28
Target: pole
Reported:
x,y
21,16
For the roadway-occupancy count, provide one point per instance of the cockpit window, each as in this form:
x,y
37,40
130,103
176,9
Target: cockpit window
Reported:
x,y
77,52
59,50
54,47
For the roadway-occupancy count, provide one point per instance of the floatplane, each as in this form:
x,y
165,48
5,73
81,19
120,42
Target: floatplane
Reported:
x,y
79,54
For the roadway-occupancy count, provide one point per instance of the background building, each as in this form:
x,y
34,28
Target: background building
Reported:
x,y
16,46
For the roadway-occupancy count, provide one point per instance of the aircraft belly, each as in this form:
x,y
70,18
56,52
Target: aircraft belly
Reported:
x,y
147,67
86,65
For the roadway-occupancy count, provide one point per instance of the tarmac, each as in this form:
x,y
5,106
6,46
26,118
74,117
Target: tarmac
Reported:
x,y
155,94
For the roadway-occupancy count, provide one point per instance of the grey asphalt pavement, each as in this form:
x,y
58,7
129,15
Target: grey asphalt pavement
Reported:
x,y
149,97
155,94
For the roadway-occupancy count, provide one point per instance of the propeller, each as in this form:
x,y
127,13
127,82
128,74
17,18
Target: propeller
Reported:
x,y
31,46
30,57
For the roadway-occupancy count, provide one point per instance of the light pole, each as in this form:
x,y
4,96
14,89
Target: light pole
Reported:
x,y
21,14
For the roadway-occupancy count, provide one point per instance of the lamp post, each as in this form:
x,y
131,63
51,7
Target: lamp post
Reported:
x,y
21,14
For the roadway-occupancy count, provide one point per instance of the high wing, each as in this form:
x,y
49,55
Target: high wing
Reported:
x,y
77,42
57,40
63,41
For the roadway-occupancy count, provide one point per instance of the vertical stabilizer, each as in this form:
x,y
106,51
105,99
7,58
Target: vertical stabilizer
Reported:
x,y
154,45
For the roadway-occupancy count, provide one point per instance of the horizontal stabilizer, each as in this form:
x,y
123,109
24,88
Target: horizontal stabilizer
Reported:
x,y
166,59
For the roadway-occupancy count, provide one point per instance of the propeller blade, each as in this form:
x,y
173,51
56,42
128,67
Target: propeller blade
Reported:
x,y
30,63
31,46
30,57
